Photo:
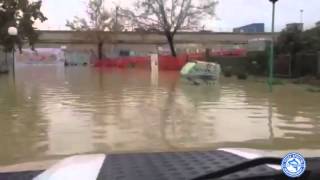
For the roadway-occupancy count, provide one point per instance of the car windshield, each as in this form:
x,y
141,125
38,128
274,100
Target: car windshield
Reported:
x,y
142,76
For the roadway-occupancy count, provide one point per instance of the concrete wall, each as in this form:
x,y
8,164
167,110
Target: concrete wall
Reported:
x,y
71,37
144,42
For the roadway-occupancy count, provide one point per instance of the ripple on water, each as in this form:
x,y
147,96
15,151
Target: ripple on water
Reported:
x,y
115,111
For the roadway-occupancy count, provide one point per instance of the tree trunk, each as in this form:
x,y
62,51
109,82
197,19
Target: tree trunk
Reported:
x,y
100,50
171,43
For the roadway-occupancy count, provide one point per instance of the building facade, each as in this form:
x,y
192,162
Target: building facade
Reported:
x,y
295,26
250,28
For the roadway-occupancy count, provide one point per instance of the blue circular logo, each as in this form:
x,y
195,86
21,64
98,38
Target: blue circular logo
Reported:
x,y
293,165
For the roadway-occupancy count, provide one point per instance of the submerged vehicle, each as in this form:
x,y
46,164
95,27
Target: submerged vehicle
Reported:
x,y
198,72
226,164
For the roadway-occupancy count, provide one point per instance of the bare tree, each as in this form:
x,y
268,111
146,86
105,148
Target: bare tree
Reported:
x,y
170,16
98,21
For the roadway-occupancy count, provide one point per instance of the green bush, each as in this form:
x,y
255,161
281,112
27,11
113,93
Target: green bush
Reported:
x,y
277,82
313,90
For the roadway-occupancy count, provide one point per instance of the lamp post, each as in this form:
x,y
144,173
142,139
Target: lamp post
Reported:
x,y
271,58
63,48
301,16
13,32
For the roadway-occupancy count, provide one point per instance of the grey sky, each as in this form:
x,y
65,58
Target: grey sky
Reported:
x,y
230,13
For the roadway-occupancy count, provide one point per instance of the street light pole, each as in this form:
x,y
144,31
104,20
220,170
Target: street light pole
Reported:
x,y
271,58
301,16
63,48
13,32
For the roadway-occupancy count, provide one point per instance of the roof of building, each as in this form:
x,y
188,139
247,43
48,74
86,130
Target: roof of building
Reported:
x,y
252,24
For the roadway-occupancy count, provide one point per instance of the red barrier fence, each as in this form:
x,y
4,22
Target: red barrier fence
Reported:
x,y
165,62
125,62
196,56
172,63
228,53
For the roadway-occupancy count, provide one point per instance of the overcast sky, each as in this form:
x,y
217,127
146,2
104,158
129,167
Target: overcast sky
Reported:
x,y
230,13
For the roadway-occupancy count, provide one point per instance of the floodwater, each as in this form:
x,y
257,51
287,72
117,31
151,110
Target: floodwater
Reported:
x,y
49,112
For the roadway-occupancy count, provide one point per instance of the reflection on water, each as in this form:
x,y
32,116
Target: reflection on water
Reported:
x,y
52,111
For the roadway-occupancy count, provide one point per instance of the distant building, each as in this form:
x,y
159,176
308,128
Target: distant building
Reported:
x,y
318,24
293,26
250,28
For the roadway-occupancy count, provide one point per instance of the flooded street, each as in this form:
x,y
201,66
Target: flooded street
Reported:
x,y
48,112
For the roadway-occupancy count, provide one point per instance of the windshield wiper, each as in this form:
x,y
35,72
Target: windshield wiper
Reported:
x,y
244,166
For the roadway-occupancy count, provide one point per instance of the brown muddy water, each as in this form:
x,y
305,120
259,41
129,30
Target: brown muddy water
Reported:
x,y
48,112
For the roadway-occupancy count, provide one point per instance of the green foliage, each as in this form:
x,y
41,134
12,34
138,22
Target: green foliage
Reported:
x,y
289,41
313,89
21,14
293,41
258,62
311,39
277,82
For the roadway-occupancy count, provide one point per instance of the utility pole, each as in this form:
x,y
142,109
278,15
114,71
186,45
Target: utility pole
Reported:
x,y
271,58
13,32
301,16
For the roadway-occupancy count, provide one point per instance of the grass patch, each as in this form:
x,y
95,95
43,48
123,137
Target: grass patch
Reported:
x,y
313,89
277,82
